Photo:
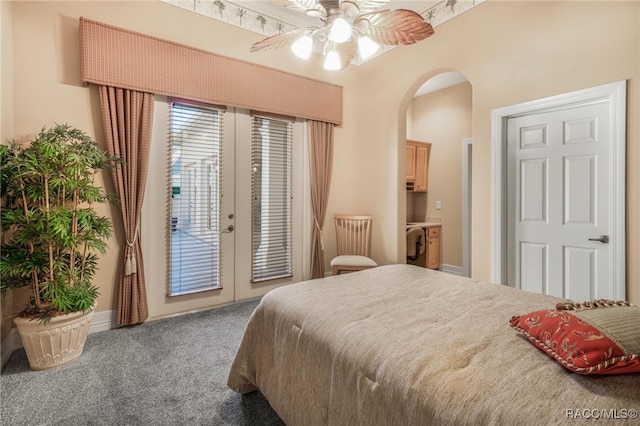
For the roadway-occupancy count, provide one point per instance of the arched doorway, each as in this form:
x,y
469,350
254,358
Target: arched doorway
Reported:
x,y
440,113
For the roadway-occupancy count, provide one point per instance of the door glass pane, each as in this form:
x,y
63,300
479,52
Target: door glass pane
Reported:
x,y
271,198
195,162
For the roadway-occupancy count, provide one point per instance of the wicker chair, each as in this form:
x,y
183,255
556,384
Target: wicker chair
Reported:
x,y
353,239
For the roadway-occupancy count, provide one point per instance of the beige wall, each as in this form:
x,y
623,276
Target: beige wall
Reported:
x,y
6,71
511,52
47,89
6,122
444,119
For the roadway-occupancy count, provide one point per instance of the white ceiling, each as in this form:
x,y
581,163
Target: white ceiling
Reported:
x,y
299,19
269,18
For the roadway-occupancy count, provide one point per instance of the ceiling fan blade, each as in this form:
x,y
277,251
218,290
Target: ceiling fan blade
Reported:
x,y
394,27
347,51
280,40
364,6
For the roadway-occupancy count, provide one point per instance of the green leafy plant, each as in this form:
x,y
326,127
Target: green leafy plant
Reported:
x,y
51,234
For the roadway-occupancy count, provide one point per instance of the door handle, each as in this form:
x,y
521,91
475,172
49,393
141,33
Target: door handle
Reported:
x,y
602,238
230,228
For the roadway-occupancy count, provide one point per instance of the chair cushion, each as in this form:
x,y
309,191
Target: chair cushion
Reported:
x,y
353,261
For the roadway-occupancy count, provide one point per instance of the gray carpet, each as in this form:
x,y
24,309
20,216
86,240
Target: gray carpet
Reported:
x,y
166,372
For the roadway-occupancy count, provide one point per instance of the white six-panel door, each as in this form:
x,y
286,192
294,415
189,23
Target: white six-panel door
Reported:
x,y
566,193
558,179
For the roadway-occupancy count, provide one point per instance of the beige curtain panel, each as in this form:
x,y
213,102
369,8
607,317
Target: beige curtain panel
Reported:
x,y
320,163
117,57
127,117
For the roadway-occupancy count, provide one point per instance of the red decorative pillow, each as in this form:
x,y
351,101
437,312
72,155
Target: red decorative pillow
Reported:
x,y
597,337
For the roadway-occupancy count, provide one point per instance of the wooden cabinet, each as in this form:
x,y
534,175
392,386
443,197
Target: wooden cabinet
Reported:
x,y
422,168
418,166
431,256
433,249
411,163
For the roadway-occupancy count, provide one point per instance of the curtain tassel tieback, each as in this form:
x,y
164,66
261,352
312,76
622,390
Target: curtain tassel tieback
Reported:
x,y
319,234
130,266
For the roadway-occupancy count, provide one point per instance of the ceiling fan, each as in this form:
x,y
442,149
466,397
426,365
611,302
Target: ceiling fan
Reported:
x,y
351,28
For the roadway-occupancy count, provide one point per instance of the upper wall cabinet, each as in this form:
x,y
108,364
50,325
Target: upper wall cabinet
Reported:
x,y
418,166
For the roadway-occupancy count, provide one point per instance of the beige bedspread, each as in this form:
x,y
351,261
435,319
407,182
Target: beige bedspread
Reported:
x,y
403,345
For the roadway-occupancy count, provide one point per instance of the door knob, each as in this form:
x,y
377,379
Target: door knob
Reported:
x,y
230,228
602,238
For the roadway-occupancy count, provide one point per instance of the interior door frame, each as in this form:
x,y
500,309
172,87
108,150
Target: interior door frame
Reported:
x,y
616,93
467,191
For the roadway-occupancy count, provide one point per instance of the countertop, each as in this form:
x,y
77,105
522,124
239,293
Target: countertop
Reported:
x,y
422,224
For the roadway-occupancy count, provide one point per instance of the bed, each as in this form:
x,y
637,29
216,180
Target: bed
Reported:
x,y
403,345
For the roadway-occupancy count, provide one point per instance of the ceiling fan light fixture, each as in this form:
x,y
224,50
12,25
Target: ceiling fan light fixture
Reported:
x,y
340,30
352,30
302,47
332,61
367,47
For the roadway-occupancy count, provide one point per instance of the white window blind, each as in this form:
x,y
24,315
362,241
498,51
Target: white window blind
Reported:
x,y
271,195
194,169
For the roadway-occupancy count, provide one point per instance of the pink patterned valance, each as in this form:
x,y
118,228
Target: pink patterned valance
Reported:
x,y
117,57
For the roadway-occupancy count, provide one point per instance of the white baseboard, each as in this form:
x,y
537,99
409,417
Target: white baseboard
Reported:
x,y
455,270
101,321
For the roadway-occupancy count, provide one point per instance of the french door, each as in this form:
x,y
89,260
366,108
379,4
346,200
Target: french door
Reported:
x,y
201,187
201,238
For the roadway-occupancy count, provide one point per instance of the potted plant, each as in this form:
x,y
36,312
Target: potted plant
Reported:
x,y
51,237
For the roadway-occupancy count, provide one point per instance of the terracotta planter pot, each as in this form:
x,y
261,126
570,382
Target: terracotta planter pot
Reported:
x,y
58,342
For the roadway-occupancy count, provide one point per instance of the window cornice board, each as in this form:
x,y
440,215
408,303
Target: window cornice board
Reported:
x,y
122,58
